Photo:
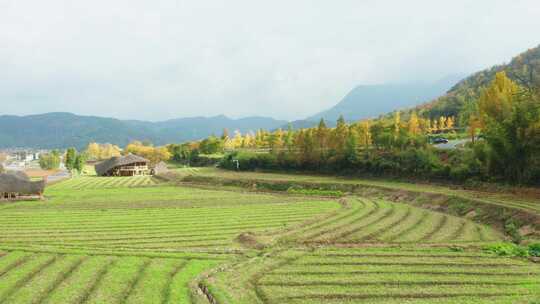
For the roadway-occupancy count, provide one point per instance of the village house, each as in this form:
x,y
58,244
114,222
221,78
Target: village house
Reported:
x,y
16,185
129,165
159,168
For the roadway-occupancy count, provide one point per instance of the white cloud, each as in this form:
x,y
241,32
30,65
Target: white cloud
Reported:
x,y
286,59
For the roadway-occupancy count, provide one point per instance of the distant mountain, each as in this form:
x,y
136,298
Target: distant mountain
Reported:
x,y
303,124
61,130
523,69
366,101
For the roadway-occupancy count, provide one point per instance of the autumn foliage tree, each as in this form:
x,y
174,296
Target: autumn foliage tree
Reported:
x,y
153,154
509,117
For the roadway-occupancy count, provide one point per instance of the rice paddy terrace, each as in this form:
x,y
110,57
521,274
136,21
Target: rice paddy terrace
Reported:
x,y
137,240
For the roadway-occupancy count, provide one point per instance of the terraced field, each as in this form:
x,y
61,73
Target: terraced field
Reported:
x,y
371,221
58,278
334,275
116,240
136,240
94,182
529,202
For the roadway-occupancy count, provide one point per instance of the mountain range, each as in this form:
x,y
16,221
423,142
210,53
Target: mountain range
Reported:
x,y
369,101
61,130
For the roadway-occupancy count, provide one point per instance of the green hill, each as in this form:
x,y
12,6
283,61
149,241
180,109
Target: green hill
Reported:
x,y
460,99
60,130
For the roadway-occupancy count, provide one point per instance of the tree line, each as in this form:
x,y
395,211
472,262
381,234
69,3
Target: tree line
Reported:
x,y
503,127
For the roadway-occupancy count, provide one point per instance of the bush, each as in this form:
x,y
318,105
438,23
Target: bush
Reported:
x,y
315,192
512,229
507,249
534,249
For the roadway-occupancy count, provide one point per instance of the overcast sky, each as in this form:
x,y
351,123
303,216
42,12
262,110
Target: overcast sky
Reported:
x,y
287,59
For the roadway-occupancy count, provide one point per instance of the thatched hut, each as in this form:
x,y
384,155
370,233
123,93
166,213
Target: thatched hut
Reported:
x,y
17,186
129,165
159,168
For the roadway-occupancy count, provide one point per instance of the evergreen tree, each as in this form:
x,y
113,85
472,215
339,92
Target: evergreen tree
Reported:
x,y
70,159
80,161
321,139
289,138
351,146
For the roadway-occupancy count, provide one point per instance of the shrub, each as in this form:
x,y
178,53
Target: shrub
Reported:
x,y
534,249
315,192
512,229
507,249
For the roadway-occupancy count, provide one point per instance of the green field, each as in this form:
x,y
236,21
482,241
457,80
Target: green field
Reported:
x,y
93,182
397,276
530,203
138,240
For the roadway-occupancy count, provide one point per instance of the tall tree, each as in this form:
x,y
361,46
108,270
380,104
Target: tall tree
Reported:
x,y
414,125
93,151
225,135
80,161
510,118
50,161
397,125
70,158
364,134
289,138
351,146
321,138
339,136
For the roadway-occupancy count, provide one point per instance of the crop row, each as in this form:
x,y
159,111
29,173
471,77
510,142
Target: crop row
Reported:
x,y
49,278
506,200
174,229
103,216
369,221
371,276
83,183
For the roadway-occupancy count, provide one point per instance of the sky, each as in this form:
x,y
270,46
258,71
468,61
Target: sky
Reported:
x,y
163,59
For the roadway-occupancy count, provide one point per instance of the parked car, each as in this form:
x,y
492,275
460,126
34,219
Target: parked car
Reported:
x,y
439,140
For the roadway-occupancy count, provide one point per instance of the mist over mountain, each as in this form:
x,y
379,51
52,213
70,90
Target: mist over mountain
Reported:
x,y
369,101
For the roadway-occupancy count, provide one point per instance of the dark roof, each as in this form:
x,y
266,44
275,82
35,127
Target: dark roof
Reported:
x,y
117,161
19,174
17,183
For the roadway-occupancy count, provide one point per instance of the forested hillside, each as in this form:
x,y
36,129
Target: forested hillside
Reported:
x,y
460,101
497,110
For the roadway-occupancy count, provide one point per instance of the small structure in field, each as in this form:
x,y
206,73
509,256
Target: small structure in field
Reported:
x,y
159,168
129,165
16,185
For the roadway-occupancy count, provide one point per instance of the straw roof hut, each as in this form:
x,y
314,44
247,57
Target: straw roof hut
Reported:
x,y
128,165
159,168
17,185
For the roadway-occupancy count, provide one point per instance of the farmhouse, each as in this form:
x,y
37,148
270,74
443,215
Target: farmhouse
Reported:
x,y
129,165
17,186
159,168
